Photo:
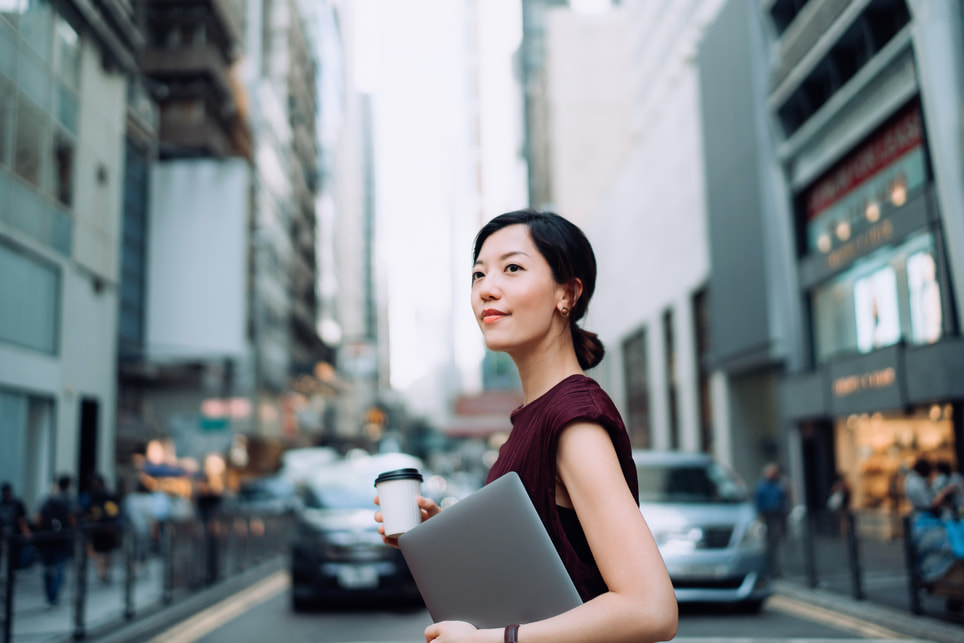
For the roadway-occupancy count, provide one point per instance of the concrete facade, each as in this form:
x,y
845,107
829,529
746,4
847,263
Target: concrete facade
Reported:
x,y
59,232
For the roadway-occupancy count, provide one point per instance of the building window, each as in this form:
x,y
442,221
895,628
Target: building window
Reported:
x,y
891,296
134,253
66,53
29,444
783,12
39,78
35,28
863,40
7,109
63,159
31,133
701,334
30,292
669,347
636,376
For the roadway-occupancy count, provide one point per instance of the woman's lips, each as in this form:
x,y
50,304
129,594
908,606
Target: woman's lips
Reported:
x,y
490,316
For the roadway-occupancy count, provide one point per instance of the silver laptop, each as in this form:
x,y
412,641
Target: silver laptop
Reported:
x,y
488,560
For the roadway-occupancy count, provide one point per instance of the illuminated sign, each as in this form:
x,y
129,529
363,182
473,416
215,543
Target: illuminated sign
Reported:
x,y
859,191
873,380
863,243
894,141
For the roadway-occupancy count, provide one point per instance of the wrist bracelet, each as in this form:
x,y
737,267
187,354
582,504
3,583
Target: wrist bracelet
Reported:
x,y
511,634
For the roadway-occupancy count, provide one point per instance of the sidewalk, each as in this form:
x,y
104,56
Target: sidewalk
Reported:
x,y
901,621
105,603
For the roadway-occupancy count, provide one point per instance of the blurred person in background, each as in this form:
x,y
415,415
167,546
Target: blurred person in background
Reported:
x,y
102,515
919,491
137,509
208,502
13,522
838,502
773,503
56,521
532,278
952,484
929,535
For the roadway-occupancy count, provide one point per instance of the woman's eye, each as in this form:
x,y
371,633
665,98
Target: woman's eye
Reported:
x,y
513,267
476,276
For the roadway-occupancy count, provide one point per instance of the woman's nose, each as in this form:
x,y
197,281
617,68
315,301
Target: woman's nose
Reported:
x,y
488,289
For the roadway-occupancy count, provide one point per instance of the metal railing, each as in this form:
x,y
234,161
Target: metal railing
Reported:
x,y
867,558
179,558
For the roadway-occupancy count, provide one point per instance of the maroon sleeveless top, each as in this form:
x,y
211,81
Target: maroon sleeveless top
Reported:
x,y
531,450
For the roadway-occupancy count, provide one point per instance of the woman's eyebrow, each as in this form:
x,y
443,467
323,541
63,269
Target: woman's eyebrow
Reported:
x,y
505,256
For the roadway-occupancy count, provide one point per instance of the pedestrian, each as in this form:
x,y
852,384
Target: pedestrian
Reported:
x,y
533,276
919,491
102,517
773,500
838,502
929,537
137,508
56,521
951,484
15,526
208,502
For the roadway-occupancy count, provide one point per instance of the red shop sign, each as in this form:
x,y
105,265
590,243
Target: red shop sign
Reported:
x,y
900,135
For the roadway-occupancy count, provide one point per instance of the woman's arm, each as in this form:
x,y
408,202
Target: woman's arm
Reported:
x,y
640,605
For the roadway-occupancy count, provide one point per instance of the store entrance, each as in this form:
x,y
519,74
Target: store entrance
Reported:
x,y
876,450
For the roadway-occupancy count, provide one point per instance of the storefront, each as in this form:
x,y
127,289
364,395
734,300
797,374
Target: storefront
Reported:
x,y
888,364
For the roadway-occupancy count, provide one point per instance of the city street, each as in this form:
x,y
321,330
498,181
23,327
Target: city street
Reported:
x,y
263,610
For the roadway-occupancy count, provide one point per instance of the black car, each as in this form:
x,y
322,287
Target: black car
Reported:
x,y
337,552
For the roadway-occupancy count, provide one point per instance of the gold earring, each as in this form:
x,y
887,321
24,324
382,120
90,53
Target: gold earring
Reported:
x,y
564,312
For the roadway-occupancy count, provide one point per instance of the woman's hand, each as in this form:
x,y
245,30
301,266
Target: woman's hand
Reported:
x,y
427,507
455,631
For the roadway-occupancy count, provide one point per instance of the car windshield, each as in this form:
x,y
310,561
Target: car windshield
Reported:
x,y
688,483
339,496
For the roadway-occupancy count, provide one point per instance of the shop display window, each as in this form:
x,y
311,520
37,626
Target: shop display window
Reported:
x,y
874,452
890,296
876,311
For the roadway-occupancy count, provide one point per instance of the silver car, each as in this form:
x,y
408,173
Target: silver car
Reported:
x,y
706,528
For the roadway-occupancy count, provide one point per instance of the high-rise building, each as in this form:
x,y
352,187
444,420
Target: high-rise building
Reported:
x,y
225,270
533,78
64,79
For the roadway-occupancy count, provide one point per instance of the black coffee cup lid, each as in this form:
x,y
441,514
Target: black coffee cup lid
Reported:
x,y
407,473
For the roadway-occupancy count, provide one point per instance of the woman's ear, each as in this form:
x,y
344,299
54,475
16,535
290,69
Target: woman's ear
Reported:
x,y
574,291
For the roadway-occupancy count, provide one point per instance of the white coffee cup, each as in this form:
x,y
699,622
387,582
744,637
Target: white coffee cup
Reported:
x,y
398,493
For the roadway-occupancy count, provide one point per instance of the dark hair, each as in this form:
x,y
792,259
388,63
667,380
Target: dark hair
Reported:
x,y
63,482
943,466
923,467
569,254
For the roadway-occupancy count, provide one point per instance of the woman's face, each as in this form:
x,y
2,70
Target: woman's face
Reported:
x,y
514,295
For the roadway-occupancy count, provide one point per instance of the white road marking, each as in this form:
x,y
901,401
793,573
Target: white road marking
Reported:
x,y
207,621
829,617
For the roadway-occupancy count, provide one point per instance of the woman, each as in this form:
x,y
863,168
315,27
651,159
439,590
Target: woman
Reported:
x,y
928,531
532,279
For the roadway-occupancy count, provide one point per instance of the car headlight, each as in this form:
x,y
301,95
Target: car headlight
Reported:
x,y
678,541
755,536
355,538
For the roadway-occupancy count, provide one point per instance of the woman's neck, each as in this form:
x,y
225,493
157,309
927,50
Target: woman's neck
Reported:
x,y
540,374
